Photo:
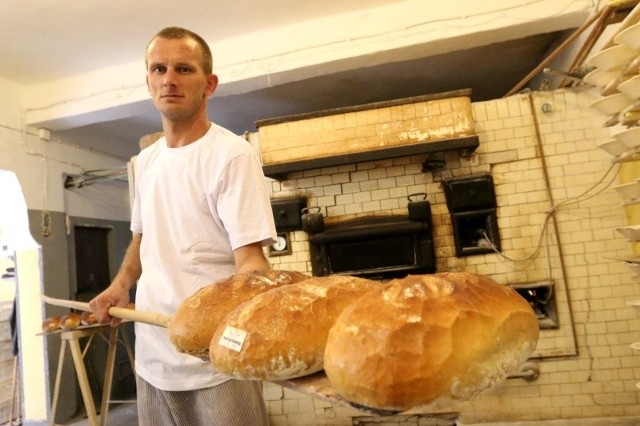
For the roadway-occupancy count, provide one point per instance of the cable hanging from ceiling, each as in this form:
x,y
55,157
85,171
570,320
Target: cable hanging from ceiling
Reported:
x,y
96,176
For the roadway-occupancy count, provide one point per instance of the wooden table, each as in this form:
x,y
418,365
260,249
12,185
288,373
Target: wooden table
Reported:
x,y
72,337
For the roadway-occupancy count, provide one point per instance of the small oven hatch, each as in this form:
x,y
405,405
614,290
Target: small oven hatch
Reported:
x,y
475,232
469,193
542,299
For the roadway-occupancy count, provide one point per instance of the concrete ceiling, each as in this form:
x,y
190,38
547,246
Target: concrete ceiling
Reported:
x,y
50,41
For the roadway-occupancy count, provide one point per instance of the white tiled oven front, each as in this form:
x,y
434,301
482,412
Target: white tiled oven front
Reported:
x,y
536,160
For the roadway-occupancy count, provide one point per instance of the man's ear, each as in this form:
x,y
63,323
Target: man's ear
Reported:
x,y
212,84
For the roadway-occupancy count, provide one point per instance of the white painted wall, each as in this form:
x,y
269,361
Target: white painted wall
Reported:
x,y
283,54
40,166
16,241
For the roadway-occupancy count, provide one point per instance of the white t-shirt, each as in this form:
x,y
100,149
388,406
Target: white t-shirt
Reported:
x,y
193,206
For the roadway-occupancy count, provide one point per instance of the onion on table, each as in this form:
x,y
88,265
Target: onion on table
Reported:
x,y
51,324
88,318
427,340
126,313
70,321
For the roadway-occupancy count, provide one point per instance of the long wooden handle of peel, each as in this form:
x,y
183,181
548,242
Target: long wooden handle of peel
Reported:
x,y
152,318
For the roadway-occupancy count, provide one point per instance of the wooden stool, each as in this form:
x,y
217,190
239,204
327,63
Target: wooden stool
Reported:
x,y
72,337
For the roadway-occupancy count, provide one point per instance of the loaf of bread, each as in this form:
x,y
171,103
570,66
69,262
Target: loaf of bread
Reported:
x,y
281,334
70,321
196,318
51,324
428,340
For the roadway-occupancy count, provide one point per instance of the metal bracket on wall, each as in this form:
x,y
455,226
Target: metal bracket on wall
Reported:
x,y
45,225
432,165
611,13
529,371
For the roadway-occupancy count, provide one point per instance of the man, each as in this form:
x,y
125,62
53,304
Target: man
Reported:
x,y
201,213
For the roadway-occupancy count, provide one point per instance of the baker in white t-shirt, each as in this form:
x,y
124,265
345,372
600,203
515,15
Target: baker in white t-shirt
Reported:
x,y
201,213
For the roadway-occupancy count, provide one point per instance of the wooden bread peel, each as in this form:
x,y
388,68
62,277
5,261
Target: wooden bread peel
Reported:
x,y
497,348
151,318
315,385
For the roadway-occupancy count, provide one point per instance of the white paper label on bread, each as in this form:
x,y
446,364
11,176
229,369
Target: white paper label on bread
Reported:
x,y
286,328
194,322
232,338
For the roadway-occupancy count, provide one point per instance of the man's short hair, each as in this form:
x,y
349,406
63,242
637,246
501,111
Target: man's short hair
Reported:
x,y
176,33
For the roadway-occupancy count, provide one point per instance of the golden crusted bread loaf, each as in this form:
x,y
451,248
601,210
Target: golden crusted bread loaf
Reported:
x,y
88,318
426,339
51,324
70,321
281,334
198,316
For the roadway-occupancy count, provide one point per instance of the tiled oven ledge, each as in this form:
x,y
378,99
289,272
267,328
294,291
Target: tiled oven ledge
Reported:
x,y
363,107
465,145
369,132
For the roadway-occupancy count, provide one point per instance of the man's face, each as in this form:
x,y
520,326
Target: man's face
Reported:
x,y
175,78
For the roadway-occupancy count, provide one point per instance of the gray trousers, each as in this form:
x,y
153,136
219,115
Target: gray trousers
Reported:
x,y
235,402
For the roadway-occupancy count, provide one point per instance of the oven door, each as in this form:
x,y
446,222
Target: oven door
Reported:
x,y
380,247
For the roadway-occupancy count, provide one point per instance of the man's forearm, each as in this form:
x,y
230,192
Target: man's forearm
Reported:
x,y
250,258
131,268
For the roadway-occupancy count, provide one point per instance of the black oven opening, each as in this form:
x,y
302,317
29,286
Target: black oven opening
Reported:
x,y
381,254
374,247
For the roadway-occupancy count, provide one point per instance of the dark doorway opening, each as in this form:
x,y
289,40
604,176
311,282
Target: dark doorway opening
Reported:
x,y
92,261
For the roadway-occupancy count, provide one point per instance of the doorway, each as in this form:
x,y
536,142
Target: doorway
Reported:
x,y
92,261
93,251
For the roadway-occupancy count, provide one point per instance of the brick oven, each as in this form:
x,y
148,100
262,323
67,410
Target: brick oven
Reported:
x,y
500,149
380,244
360,167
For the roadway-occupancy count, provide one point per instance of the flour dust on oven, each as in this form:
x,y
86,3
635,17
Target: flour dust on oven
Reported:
x,y
376,247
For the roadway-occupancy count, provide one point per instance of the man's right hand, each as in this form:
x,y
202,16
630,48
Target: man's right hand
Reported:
x,y
117,294
114,295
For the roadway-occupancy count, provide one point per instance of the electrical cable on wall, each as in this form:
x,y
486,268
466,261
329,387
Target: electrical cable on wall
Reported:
x,y
45,225
30,151
90,97
95,176
549,214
